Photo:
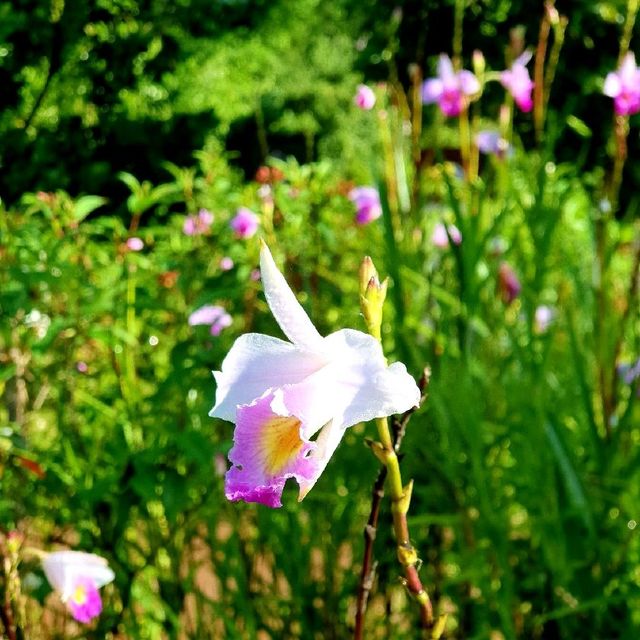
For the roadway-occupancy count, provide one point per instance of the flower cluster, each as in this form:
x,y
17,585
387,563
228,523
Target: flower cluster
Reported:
x,y
198,224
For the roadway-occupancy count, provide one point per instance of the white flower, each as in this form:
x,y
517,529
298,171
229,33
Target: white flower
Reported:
x,y
281,394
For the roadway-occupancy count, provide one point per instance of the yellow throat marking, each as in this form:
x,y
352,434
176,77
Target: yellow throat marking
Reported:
x,y
280,443
79,596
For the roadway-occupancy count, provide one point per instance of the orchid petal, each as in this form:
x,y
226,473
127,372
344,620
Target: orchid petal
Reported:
x,y
612,85
523,58
268,449
206,315
62,568
432,90
286,309
628,69
445,69
468,82
308,400
326,444
368,388
255,363
359,398
85,603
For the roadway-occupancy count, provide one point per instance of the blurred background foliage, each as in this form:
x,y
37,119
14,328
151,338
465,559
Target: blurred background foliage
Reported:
x,y
93,88
119,119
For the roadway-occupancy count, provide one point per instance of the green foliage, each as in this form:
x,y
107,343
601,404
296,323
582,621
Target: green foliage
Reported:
x,y
525,456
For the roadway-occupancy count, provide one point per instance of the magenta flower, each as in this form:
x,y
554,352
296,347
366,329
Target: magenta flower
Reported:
x,y
214,316
518,83
198,224
245,223
492,143
508,283
365,98
451,90
440,238
281,394
135,244
77,577
367,201
623,86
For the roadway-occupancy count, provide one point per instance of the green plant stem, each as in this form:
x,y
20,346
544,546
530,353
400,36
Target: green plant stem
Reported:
x,y
632,12
538,76
458,19
400,499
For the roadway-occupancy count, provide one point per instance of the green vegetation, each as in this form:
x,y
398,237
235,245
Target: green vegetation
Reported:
x,y
525,456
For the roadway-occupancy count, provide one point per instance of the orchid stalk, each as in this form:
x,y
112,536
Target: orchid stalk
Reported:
x,y
372,297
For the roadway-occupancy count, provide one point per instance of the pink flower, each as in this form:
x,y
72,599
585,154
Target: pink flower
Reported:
x,y
508,283
281,394
623,86
213,315
365,98
440,238
492,143
226,263
198,224
135,244
77,576
255,275
367,201
517,82
245,223
450,90
82,366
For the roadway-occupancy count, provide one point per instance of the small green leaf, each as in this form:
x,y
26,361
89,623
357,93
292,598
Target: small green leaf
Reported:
x,y
85,205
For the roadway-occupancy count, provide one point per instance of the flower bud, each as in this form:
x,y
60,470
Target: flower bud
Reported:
x,y
372,296
479,64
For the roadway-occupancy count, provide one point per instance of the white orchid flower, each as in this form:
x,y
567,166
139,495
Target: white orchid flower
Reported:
x,y
281,394
77,576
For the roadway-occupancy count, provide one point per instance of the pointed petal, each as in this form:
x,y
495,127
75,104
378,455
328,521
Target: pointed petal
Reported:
x,y
255,363
445,68
612,85
628,70
523,58
431,90
286,309
468,82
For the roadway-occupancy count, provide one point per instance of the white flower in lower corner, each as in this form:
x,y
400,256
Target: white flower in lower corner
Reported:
x,y
281,395
77,576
